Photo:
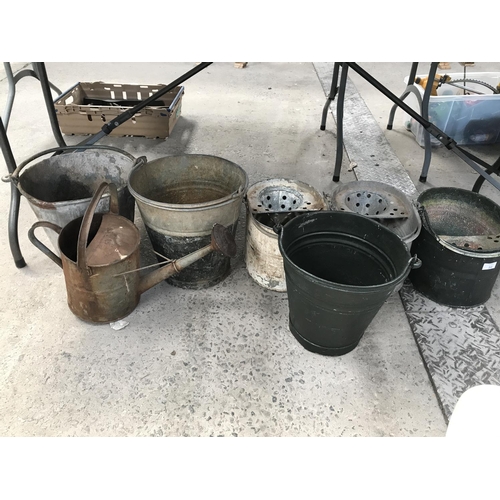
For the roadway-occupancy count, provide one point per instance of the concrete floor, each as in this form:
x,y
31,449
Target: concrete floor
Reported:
x,y
219,361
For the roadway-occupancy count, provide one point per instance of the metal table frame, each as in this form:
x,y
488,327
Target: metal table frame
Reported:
x,y
338,89
39,72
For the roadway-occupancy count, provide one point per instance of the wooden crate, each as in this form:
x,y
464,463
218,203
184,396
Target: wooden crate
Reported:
x,y
77,117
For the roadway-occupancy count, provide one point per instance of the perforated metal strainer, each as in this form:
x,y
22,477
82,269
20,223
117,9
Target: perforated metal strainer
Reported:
x,y
381,205
283,195
382,202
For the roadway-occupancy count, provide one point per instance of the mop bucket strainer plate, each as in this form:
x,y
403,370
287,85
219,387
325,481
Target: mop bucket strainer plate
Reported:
x,y
382,202
377,203
283,195
270,203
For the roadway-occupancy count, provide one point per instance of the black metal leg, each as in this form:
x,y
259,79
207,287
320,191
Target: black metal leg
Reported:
x,y
49,103
403,96
331,96
425,115
13,79
474,162
40,74
424,109
340,124
411,80
15,199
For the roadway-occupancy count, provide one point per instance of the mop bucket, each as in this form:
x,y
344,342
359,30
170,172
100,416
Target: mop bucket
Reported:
x,y
340,268
269,202
59,188
180,198
460,246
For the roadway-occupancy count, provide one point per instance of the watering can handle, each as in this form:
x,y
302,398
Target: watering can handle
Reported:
x,y
83,235
15,175
31,235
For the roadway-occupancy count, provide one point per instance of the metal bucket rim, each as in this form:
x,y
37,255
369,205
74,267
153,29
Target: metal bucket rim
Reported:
x,y
181,207
477,254
114,151
262,183
44,204
354,288
467,192
268,231
351,288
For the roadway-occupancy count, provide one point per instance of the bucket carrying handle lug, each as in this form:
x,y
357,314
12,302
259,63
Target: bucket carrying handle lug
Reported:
x,y
83,235
14,177
31,235
415,262
141,160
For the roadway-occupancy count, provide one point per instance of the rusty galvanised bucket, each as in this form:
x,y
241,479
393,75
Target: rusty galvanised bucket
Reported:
x,y
59,188
180,198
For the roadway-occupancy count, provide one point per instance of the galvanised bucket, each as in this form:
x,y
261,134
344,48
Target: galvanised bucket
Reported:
x,y
180,198
59,188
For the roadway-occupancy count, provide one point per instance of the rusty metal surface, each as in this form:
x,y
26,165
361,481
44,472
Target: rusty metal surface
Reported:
x,y
263,259
270,203
206,272
223,241
180,198
97,294
116,239
100,258
487,243
102,297
458,212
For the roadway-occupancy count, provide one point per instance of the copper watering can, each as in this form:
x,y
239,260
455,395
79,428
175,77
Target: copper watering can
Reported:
x,y
101,260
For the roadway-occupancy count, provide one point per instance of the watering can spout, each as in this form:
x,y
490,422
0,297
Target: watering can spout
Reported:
x,y
222,241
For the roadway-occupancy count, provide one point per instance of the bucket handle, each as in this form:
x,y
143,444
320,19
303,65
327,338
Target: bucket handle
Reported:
x,y
14,177
426,223
232,196
425,220
31,235
83,235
